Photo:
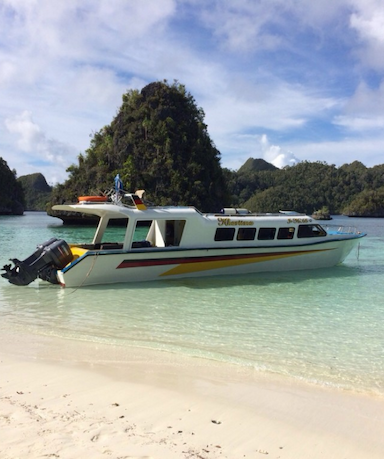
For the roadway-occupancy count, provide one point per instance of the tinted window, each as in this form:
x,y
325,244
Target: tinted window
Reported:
x,y
266,234
286,233
246,234
224,234
310,231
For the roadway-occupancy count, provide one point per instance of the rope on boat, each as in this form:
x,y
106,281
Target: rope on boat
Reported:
x,y
88,273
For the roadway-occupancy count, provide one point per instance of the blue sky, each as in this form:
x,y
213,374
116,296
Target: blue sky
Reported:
x,y
283,80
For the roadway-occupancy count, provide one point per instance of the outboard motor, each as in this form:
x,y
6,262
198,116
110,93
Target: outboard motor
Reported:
x,y
44,262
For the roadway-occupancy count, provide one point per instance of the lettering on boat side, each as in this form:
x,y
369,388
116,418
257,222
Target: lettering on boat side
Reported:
x,y
230,222
299,220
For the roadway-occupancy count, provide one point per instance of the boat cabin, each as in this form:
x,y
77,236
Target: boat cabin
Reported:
x,y
167,227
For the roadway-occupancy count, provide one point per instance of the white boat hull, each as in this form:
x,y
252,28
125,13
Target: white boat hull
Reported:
x,y
108,267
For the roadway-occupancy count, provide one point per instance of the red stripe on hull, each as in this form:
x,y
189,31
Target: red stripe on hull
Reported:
x,y
175,261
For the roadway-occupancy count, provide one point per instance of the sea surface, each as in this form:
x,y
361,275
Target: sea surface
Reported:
x,y
324,326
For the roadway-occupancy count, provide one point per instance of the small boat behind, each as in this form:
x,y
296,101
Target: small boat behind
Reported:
x,y
181,242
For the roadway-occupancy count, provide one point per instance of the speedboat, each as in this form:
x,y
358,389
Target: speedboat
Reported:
x,y
179,242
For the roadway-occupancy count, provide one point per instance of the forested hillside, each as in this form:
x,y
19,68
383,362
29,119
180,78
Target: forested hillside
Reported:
x,y
11,193
158,142
37,192
352,189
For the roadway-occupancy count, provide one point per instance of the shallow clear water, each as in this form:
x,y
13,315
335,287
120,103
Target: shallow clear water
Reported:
x,y
323,326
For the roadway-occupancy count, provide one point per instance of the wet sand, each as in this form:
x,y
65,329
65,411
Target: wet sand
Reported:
x,y
65,399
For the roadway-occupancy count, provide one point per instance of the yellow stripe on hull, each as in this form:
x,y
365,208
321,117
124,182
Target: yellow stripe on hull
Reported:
x,y
192,267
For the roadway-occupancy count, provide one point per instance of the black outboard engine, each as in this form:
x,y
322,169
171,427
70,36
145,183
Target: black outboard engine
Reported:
x,y
44,262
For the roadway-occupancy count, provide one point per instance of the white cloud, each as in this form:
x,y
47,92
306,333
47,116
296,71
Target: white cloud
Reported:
x,y
368,22
367,149
91,87
7,72
52,41
67,29
275,155
29,133
273,105
364,111
366,101
257,146
40,149
248,26
239,25
360,124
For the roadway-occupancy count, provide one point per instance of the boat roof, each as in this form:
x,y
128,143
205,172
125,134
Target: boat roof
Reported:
x,y
112,210
117,208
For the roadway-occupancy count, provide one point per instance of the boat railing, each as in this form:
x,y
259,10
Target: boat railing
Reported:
x,y
116,196
126,199
340,229
241,212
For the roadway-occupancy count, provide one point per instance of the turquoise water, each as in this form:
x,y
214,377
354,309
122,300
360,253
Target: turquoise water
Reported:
x,y
324,326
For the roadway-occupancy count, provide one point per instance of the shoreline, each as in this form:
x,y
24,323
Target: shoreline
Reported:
x,y
69,399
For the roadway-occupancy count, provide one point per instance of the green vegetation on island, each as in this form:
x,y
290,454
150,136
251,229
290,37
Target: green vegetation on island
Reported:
x,y
36,190
322,214
11,193
368,203
352,189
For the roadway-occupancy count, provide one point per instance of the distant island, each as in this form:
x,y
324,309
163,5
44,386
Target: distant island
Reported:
x,y
11,192
158,141
28,192
322,214
37,192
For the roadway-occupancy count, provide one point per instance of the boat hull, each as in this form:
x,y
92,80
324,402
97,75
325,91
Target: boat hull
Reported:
x,y
108,267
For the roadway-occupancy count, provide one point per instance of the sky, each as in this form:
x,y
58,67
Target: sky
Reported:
x,y
282,80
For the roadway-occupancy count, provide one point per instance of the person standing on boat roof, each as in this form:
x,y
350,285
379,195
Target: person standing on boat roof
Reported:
x,y
119,191
118,184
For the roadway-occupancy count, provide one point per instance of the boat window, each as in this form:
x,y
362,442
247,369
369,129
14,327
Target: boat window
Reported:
x,y
224,234
141,233
266,234
286,233
158,233
310,231
246,234
141,230
173,232
113,234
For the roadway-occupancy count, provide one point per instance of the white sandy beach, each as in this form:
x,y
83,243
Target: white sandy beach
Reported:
x,y
63,399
